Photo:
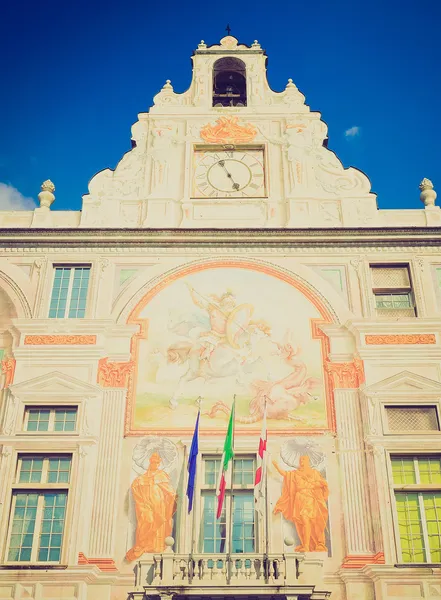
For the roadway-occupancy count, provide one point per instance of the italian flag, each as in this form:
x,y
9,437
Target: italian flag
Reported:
x,y
261,462
227,456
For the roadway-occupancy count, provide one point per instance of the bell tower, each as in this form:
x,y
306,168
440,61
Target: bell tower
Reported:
x,y
229,152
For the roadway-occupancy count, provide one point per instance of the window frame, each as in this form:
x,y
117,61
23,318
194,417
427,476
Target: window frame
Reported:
x,y
72,267
40,488
392,291
238,489
417,488
52,410
51,405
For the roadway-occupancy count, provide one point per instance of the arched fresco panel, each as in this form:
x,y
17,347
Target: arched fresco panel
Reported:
x,y
216,331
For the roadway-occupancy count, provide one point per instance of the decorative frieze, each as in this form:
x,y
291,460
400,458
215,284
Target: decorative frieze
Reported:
x,y
107,565
60,340
412,338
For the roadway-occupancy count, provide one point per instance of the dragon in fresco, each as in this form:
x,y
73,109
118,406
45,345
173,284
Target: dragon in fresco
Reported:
x,y
282,396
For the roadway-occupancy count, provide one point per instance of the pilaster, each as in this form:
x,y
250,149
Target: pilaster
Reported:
x,y
105,502
355,495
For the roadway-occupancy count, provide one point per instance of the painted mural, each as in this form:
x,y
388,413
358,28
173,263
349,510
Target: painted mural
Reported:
x,y
153,495
304,495
217,333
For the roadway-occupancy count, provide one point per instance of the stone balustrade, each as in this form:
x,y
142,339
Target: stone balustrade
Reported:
x,y
170,574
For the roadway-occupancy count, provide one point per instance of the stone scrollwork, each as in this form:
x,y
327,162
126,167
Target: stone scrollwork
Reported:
x,y
60,340
413,338
8,368
346,375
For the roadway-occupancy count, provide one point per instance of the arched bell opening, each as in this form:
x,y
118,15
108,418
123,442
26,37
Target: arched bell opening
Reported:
x,y
229,82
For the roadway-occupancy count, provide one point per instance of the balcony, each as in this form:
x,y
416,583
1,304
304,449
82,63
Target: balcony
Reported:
x,y
200,575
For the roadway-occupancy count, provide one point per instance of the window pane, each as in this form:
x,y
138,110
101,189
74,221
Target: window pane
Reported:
x,y
38,419
243,523
59,470
23,525
59,293
430,469
30,470
243,471
214,530
65,419
432,509
211,470
79,292
403,470
410,527
412,418
51,537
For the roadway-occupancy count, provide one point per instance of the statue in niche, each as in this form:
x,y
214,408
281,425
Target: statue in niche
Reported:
x,y
303,502
155,505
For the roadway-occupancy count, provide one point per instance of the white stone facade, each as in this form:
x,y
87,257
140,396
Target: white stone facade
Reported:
x,y
302,257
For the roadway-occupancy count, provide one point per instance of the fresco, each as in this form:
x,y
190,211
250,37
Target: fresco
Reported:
x,y
303,501
222,332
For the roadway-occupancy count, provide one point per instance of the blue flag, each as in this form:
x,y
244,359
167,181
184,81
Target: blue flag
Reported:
x,y
192,459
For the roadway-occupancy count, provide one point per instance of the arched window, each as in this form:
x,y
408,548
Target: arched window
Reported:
x,y
229,82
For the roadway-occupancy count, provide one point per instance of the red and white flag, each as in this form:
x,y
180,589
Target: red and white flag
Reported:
x,y
259,480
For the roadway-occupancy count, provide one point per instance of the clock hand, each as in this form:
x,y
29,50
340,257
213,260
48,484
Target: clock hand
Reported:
x,y
221,163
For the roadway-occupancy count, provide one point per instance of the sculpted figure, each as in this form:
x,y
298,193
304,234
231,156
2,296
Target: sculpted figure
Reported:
x,y
303,502
155,503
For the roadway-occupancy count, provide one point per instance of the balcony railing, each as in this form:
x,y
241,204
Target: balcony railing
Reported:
x,y
172,574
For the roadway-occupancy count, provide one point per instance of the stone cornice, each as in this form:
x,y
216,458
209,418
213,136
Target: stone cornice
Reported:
x,y
73,237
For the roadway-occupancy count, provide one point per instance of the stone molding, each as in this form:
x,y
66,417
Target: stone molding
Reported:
x,y
399,339
103,564
114,374
60,340
358,561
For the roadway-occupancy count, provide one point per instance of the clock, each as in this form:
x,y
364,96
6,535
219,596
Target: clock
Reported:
x,y
229,173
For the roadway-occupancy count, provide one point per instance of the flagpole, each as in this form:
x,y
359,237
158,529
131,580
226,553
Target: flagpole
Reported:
x,y
230,523
194,521
265,466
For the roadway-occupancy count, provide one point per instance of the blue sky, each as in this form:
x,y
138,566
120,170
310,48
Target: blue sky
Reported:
x,y
75,75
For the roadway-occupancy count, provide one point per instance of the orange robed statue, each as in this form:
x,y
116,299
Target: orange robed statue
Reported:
x,y
303,502
155,502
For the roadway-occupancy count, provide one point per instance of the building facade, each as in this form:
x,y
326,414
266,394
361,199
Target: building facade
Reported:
x,y
228,255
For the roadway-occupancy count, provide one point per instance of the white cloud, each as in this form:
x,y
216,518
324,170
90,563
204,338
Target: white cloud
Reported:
x,y
11,199
352,131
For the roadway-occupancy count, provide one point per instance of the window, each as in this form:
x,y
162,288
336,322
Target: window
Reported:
x,y
417,489
51,419
412,418
215,534
392,291
38,510
69,292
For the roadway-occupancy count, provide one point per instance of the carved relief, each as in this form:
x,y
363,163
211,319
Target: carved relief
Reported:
x,y
8,368
60,340
114,374
414,338
228,131
345,375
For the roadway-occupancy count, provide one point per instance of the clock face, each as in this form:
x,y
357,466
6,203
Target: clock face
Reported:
x,y
234,173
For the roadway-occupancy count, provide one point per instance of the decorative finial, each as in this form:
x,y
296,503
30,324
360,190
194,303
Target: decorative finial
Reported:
x,y
255,45
428,194
202,44
46,196
228,29
290,84
167,85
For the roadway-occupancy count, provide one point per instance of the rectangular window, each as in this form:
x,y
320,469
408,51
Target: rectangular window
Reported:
x,y
69,292
392,291
417,489
38,514
412,418
50,419
242,520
